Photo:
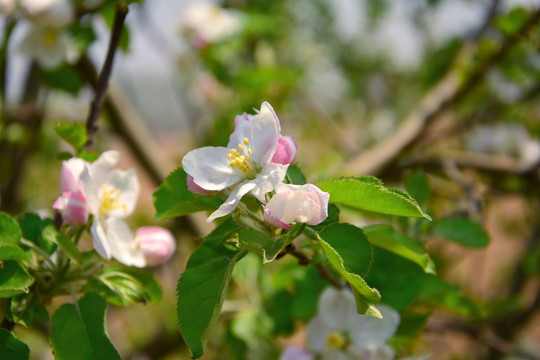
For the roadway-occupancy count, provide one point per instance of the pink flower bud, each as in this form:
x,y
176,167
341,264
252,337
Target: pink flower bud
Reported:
x,y
286,151
72,207
156,243
302,203
70,175
194,188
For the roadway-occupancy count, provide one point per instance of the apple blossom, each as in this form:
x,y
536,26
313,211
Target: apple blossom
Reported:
x,y
246,161
47,41
338,332
296,353
302,203
156,243
194,188
71,205
111,194
208,23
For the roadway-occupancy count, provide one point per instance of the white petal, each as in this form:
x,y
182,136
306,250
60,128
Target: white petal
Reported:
x,y
366,329
230,204
94,176
296,353
317,334
209,167
336,307
269,178
121,243
100,241
128,185
242,130
99,169
372,352
265,133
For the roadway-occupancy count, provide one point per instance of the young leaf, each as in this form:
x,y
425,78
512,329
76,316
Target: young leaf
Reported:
x,y
63,77
437,292
26,309
463,231
39,231
417,185
79,329
74,133
12,252
70,249
12,348
386,238
266,246
173,198
201,291
368,193
10,233
14,279
398,279
349,252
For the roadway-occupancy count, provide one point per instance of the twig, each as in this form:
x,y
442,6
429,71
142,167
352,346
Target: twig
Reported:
x,y
448,91
304,260
105,74
8,29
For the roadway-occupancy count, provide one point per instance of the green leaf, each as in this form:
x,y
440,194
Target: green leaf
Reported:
x,y
463,231
12,252
26,309
224,231
83,35
435,291
74,133
39,231
385,237
79,329
10,233
64,77
69,248
296,176
14,279
124,287
368,193
173,198
417,185
266,246
333,217
201,291
349,252
398,279
12,348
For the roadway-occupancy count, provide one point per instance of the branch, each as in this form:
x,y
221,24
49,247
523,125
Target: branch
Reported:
x,y
304,260
105,74
447,92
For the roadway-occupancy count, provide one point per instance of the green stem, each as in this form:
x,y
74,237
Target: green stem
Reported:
x,y
263,224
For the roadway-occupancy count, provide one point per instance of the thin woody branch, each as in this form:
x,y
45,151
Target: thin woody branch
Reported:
x,y
105,74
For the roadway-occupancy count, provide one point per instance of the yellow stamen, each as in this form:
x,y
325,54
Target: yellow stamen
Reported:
x,y
241,160
336,340
109,200
240,147
246,141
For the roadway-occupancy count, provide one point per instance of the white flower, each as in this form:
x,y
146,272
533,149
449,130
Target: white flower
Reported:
x,y
339,333
246,161
156,243
209,23
8,7
46,41
111,194
303,203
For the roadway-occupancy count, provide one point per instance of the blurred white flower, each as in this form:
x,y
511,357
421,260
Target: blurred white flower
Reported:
x,y
47,41
8,7
209,23
111,195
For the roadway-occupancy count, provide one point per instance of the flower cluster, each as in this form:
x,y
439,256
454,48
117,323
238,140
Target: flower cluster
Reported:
x,y
255,161
109,195
338,332
47,40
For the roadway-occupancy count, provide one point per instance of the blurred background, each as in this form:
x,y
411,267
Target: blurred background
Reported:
x,y
385,88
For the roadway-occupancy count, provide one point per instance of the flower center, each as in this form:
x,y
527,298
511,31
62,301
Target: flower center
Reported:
x,y
336,340
50,37
110,201
241,160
